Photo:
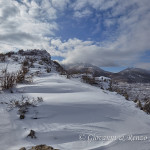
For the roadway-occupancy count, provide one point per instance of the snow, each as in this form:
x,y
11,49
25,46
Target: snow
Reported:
x,y
72,111
135,91
71,108
104,82
103,78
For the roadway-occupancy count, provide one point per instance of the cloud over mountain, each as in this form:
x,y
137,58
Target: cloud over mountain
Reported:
x,y
102,32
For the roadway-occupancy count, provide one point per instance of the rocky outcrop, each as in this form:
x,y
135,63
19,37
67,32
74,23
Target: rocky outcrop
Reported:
x,y
39,147
23,148
36,54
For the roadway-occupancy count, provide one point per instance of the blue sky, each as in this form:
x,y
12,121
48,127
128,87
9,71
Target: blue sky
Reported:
x,y
112,34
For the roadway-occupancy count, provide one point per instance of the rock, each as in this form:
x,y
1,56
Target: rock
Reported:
x,y
22,116
42,147
23,148
32,134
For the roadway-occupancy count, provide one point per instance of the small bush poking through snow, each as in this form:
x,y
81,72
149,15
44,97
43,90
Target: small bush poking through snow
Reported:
x,y
23,105
24,102
40,62
20,76
48,70
89,80
139,105
7,80
2,57
9,54
25,62
32,134
46,60
146,107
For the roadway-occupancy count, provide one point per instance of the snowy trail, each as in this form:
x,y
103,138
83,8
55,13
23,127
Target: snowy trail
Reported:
x,y
71,109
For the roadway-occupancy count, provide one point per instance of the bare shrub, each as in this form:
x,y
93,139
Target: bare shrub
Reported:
x,y
20,76
25,62
25,102
29,79
8,80
2,57
9,54
136,100
15,59
146,107
46,60
68,76
48,70
31,62
40,62
23,105
21,51
125,94
39,99
139,105
89,80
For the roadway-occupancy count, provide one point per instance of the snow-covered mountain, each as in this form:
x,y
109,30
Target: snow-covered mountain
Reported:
x,y
132,75
86,68
66,113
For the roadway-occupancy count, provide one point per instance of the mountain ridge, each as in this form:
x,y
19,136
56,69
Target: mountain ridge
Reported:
x,y
130,75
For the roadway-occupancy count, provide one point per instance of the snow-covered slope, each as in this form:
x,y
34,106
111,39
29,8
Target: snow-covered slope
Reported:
x,y
72,110
73,116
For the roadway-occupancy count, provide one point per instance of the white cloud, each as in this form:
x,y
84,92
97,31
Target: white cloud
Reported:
x,y
65,47
75,51
79,5
32,24
132,20
24,25
143,65
60,4
83,13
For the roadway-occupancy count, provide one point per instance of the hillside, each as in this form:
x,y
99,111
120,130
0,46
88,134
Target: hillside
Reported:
x,y
81,68
132,75
129,75
66,113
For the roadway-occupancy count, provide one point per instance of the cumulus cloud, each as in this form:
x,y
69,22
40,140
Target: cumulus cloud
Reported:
x,y
106,54
143,65
24,25
83,13
60,4
33,24
132,19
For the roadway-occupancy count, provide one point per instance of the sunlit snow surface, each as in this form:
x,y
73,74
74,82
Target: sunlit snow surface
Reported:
x,y
72,109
